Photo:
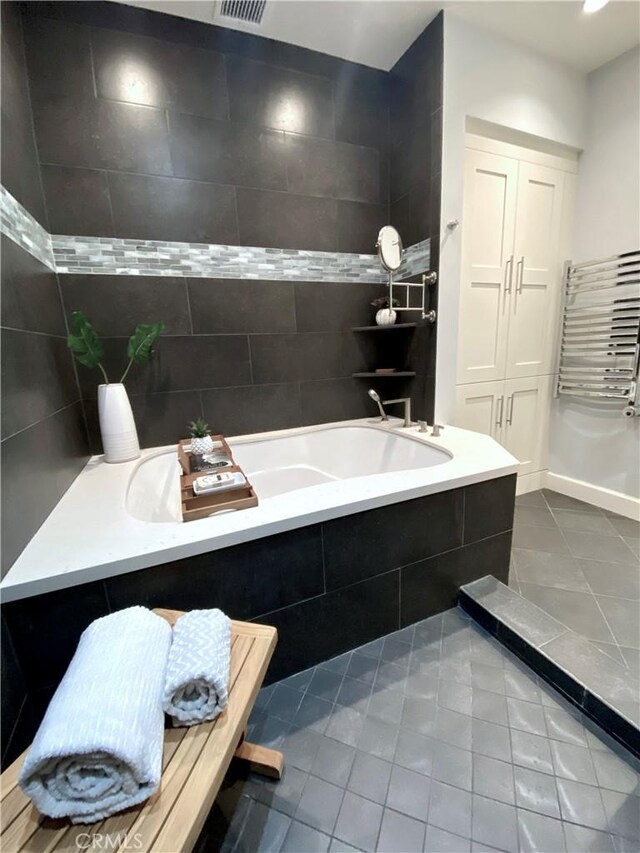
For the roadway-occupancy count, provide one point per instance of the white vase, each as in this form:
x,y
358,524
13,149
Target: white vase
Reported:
x,y
386,317
117,426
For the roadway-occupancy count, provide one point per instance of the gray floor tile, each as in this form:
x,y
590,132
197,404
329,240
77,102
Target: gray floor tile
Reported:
x,y
359,821
531,751
545,569
490,678
536,792
624,526
633,543
581,804
494,823
632,659
615,774
333,761
400,834
313,713
623,814
415,751
539,539
612,651
450,809
580,839
270,731
577,610
354,694
521,685
624,618
573,762
421,686
494,779
419,715
490,739
564,726
390,674
526,716
557,501
338,664
300,748
608,549
362,667
378,738
589,522
455,696
409,792
370,777
338,846
612,579
319,804
345,725
264,830
373,649
386,705
299,681
490,707
283,795
453,766
324,684
304,839
540,834
440,841
453,728
396,651
531,499
536,515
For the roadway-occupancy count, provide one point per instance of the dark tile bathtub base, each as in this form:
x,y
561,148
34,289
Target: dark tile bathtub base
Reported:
x,y
323,586
598,686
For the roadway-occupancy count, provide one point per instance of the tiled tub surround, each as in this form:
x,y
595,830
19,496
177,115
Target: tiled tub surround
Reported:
x,y
328,587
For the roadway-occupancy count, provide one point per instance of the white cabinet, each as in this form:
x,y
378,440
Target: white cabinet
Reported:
x,y
511,270
513,411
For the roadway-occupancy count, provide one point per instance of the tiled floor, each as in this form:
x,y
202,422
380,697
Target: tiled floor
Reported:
x,y
433,738
581,565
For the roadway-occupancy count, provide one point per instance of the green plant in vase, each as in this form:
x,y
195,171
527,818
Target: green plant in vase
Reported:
x,y
201,441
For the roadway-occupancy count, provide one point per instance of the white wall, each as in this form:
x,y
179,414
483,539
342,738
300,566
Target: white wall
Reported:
x,y
601,447
489,78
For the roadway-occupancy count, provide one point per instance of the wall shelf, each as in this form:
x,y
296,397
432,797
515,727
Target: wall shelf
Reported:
x,y
392,328
373,375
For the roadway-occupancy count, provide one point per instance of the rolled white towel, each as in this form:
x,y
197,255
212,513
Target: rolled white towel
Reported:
x,y
99,747
196,686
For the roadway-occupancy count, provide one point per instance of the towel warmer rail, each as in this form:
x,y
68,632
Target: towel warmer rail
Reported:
x,y
599,352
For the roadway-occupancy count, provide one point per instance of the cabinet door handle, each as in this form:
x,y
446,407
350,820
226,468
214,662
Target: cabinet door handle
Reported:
x,y
508,273
510,411
520,275
501,404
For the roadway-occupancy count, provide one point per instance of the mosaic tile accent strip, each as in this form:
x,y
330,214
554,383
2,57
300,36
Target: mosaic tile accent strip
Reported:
x,y
18,224
118,256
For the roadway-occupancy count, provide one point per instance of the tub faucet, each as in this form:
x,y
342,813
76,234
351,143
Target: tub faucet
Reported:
x,y
407,409
376,399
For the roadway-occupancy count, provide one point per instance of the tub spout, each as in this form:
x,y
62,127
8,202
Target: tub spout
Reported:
x,y
376,399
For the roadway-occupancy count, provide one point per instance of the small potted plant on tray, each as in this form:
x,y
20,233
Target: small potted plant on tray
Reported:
x,y
117,426
201,441
385,315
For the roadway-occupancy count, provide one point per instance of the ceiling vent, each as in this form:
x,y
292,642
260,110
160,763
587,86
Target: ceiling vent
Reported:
x,y
247,11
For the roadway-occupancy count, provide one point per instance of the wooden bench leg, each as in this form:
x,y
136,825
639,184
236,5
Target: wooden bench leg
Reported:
x,y
267,762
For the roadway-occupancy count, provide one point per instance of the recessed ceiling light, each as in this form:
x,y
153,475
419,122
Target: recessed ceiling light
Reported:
x,y
591,6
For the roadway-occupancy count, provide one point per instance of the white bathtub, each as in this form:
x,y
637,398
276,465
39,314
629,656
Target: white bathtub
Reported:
x,y
119,518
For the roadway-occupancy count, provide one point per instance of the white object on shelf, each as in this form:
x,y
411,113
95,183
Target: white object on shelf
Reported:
x,y
117,426
211,483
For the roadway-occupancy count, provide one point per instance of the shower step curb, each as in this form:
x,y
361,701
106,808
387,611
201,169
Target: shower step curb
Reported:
x,y
597,685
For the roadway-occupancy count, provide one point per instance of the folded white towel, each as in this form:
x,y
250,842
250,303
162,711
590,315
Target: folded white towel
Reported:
x,y
99,747
196,687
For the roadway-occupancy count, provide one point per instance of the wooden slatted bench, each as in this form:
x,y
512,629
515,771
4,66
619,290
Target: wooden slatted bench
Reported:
x,y
195,761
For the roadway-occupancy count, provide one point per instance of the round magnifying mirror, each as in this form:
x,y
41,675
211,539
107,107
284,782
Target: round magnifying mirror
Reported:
x,y
389,248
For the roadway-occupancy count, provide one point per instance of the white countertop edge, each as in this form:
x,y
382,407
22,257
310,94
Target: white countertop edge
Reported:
x,y
476,457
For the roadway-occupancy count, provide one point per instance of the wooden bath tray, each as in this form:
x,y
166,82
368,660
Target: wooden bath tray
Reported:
x,y
194,506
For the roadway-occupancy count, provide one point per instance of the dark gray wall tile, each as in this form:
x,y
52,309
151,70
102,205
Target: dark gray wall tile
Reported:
x,y
326,307
489,507
45,629
358,226
286,221
165,418
252,408
245,581
30,298
361,103
178,363
321,167
291,358
367,543
77,201
147,71
55,448
65,47
101,134
348,617
231,305
37,378
431,586
153,208
279,98
115,304
227,153
19,162
331,400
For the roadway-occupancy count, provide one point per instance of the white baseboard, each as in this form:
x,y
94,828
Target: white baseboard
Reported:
x,y
604,498
531,482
